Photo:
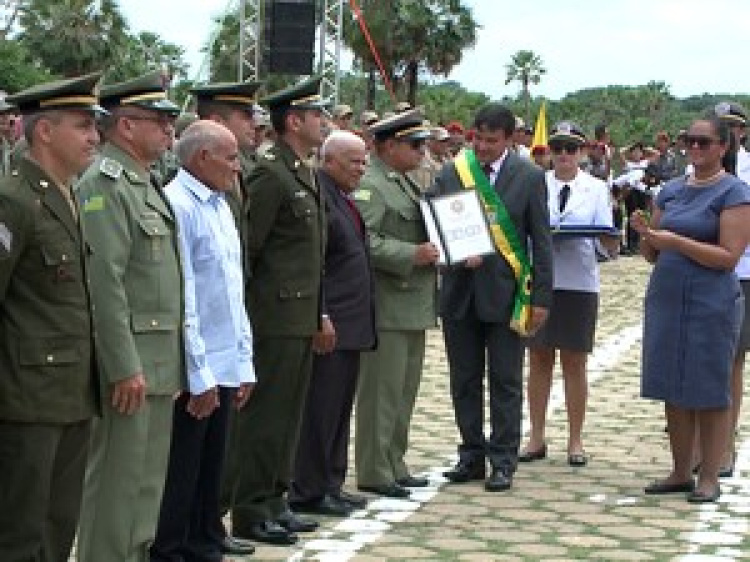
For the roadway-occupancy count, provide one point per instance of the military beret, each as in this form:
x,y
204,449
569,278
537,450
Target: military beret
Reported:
x,y
402,126
146,92
567,131
305,95
731,111
241,94
74,93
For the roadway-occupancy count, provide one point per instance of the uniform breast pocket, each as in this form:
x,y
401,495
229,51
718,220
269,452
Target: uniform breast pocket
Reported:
x,y
404,224
304,210
155,239
61,263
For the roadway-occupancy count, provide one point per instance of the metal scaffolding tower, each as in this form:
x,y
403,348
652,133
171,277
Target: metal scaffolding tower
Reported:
x,y
331,33
250,16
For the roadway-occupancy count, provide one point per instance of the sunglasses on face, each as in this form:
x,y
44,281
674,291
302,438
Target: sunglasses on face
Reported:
x,y
417,144
559,148
702,142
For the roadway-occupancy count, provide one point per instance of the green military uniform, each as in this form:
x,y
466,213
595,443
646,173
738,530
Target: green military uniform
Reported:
x,y
137,291
7,145
47,379
405,307
285,229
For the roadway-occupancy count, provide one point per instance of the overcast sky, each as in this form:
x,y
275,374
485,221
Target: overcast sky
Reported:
x,y
694,46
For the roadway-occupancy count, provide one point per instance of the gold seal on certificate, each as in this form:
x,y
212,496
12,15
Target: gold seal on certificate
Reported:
x,y
457,225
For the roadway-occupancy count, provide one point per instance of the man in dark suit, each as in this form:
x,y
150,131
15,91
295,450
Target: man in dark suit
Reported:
x,y
477,300
348,327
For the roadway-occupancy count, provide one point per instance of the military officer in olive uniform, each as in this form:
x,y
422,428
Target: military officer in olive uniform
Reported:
x,y
47,378
285,226
233,105
403,263
137,291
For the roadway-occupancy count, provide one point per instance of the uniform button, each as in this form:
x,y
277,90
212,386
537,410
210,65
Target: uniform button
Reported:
x,y
299,294
404,284
154,323
50,358
64,257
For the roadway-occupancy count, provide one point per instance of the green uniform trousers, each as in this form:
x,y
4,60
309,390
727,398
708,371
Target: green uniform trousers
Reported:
x,y
41,475
388,384
265,432
124,483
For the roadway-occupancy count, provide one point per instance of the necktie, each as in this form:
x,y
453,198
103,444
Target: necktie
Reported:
x,y
563,196
355,214
487,169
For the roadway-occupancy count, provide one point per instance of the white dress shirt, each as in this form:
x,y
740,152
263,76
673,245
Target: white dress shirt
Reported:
x,y
218,338
575,265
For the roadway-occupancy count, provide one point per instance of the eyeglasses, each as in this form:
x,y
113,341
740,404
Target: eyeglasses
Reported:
x,y
702,142
569,147
417,144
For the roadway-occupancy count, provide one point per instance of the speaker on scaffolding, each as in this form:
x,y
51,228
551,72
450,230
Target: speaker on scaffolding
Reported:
x,y
290,36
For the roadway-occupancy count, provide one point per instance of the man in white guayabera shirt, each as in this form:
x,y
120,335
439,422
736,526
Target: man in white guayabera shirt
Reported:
x,y
218,342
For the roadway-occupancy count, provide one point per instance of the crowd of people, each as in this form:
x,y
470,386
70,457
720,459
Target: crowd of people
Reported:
x,y
192,304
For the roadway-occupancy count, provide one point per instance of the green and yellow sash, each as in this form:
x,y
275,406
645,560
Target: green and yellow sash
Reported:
x,y
504,236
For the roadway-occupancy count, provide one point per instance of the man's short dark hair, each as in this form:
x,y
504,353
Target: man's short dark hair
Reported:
x,y
599,131
495,117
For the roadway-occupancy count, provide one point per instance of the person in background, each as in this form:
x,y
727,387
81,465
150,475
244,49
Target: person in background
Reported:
x,y
8,135
48,384
574,198
699,228
343,117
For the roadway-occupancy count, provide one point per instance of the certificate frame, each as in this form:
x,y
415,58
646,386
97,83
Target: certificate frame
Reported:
x,y
457,224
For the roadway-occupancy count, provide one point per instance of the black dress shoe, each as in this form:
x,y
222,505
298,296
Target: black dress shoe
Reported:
x,y
465,471
327,505
357,502
388,490
268,532
294,524
233,545
531,456
413,482
660,487
500,480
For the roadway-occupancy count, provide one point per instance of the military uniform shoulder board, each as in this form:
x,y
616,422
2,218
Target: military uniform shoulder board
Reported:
x,y
270,156
111,168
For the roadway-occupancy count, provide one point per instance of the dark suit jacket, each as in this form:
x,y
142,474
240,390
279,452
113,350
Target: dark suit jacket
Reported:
x,y
347,278
491,287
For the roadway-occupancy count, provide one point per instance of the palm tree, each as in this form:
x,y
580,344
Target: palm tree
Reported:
x,y
72,37
527,68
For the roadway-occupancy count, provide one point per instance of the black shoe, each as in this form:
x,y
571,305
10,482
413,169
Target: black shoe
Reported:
x,y
388,490
357,502
410,481
500,480
233,545
578,459
289,521
268,532
465,471
660,487
327,505
700,497
531,456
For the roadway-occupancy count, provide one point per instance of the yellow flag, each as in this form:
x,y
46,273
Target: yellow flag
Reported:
x,y
540,130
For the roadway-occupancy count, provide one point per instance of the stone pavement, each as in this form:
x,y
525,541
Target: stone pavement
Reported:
x,y
553,512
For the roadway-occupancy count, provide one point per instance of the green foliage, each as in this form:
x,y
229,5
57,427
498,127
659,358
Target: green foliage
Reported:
x,y
526,68
412,37
17,71
145,52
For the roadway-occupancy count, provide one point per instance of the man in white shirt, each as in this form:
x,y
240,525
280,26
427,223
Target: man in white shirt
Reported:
x,y
218,342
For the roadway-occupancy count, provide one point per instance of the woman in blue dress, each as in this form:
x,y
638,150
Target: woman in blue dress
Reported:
x,y
694,306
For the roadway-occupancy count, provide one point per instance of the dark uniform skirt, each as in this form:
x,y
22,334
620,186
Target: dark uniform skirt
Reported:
x,y
744,343
571,323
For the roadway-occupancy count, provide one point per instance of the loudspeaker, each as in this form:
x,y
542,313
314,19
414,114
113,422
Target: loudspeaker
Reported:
x,y
290,36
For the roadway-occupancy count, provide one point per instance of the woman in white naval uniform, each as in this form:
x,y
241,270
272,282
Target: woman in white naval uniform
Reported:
x,y
579,199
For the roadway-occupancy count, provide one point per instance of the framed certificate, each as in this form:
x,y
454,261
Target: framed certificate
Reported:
x,y
457,225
